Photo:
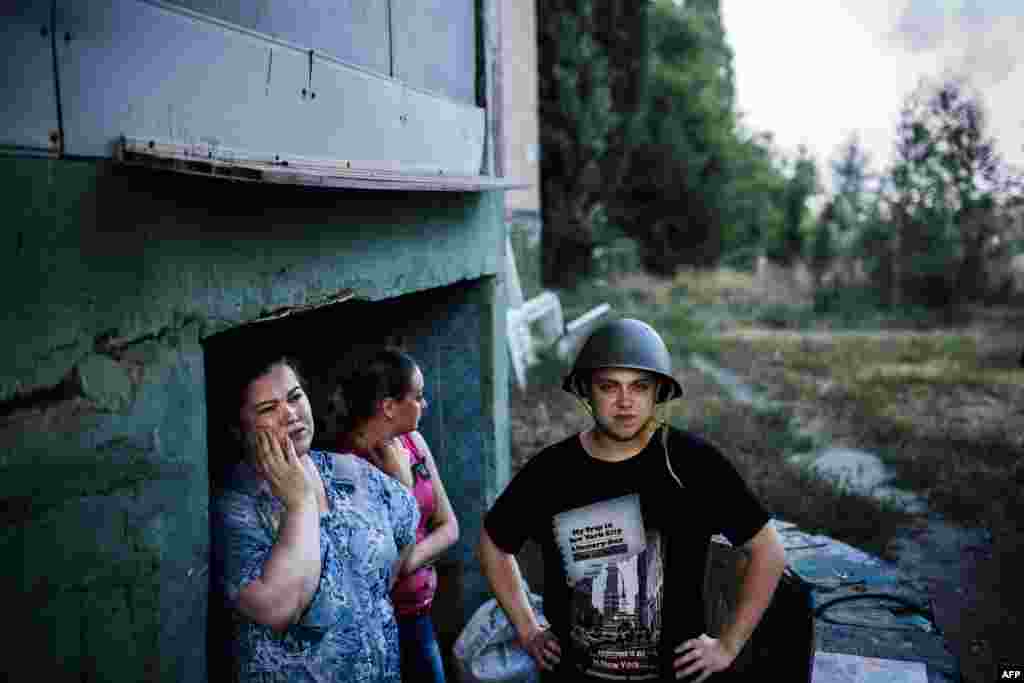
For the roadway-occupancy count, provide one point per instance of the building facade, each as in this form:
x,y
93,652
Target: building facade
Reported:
x,y
320,179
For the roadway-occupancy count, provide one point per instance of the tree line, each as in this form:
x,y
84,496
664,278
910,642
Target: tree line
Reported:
x,y
641,139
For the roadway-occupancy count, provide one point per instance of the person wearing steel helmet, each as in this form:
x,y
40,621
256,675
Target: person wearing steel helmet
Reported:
x,y
623,513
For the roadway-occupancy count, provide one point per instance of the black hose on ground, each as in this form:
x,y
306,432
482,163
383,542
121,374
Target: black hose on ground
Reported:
x,y
910,606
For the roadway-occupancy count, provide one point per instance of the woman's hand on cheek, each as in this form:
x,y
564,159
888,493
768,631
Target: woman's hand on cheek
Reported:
x,y
273,456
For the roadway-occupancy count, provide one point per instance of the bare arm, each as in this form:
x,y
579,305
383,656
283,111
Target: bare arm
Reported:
x,y
767,562
396,568
291,572
444,527
502,572
707,655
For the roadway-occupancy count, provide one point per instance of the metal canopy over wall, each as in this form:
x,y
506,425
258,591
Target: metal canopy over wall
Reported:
x,y
162,72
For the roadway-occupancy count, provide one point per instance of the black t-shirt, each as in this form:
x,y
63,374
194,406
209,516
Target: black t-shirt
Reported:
x,y
611,533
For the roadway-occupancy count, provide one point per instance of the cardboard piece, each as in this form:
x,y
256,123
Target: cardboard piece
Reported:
x,y
835,667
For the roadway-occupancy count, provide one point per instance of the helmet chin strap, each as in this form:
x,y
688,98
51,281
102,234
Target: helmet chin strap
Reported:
x,y
652,423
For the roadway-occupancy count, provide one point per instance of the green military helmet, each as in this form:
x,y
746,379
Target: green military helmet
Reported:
x,y
624,343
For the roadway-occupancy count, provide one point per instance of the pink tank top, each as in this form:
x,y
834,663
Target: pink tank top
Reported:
x,y
413,594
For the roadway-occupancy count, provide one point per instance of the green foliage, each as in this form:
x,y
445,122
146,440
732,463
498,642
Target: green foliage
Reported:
x,y
786,242
645,157
850,177
872,237
592,58
616,257
822,249
677,322
946,180
670,200
851,303
697,186
923,232
755,194
847,213
640,132
525,240
742,258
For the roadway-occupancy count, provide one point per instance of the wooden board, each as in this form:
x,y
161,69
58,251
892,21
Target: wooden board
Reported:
x,y
229,164
834,667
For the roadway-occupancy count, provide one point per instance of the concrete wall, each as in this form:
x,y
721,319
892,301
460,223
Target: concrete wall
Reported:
x,y
112,281
519,121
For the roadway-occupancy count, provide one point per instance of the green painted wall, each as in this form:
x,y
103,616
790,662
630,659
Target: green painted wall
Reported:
x,y
112,280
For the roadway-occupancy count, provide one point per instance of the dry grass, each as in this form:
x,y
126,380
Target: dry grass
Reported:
x,y
928,403
707,288
758,441
737,288
944,410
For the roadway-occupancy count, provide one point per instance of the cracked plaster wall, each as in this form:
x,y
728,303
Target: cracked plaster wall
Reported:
x,y
112,279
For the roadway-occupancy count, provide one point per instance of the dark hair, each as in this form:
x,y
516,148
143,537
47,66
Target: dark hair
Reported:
x,y
257,370
234,373
366,380
244,369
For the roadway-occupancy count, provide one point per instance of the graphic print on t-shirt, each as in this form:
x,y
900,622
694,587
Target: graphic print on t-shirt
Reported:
x,y
615,569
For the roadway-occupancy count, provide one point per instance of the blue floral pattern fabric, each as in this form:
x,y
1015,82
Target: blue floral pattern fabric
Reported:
x,y
348,632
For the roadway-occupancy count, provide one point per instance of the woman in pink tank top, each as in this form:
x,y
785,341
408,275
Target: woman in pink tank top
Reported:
x,y
377,406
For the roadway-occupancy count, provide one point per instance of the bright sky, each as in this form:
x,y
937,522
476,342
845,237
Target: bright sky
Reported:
x,y
813,72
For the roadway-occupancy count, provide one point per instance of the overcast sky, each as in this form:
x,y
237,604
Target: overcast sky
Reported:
x,y
814,71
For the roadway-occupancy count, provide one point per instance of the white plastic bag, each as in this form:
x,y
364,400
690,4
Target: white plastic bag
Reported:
x,y
488,650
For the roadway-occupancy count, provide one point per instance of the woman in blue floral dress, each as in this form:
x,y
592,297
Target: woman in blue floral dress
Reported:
x,y
306,545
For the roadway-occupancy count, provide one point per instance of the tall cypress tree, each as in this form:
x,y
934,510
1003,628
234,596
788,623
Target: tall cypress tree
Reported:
x,y
593,56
